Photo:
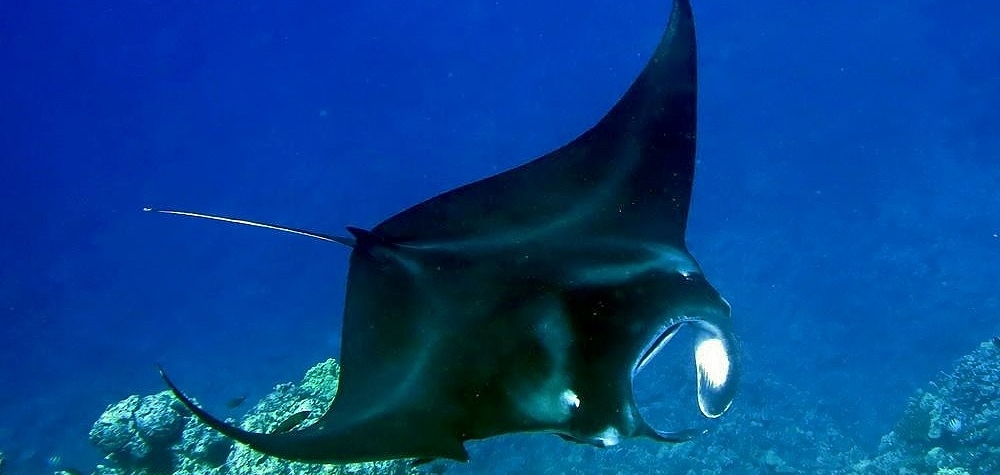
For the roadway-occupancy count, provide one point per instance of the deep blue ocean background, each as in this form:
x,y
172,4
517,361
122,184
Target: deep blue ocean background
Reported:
x,y
846,200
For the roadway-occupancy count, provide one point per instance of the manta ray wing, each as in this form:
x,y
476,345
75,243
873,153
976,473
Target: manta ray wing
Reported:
x,y
528,300
637,163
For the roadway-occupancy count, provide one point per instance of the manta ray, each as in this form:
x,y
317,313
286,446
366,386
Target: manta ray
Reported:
x,y
529,300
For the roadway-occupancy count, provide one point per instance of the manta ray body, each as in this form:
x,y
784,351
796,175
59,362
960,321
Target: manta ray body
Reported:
x,y
528,301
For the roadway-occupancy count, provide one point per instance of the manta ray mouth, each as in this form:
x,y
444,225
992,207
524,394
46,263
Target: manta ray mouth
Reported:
x,y
663,399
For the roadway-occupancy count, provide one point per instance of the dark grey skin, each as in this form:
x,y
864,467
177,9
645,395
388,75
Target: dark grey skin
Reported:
x,y
528,301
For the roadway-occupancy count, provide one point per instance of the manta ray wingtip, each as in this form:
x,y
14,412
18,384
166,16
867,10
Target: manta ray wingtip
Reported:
x,y
200,413
175,390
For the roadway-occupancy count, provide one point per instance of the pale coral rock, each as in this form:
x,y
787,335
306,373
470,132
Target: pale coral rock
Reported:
x,y
115,433
159,420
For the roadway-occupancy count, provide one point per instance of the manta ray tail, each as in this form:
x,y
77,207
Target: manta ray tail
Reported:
x,y
347,241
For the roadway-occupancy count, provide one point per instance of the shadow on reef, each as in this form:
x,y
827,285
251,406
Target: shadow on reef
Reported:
x,y
952,427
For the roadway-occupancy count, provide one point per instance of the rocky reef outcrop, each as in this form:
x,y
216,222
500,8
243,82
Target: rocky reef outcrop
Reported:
x,y
952,427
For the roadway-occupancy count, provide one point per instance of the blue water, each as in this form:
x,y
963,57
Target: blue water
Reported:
x,y
846,201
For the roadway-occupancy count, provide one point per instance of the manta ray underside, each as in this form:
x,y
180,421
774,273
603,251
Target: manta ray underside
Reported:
x,y
529,300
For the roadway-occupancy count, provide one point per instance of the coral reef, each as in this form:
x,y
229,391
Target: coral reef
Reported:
x,y
773,432
950,428
137,432
155,435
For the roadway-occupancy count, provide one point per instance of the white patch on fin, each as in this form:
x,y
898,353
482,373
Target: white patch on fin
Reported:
x,y
571,399
610,437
